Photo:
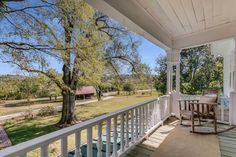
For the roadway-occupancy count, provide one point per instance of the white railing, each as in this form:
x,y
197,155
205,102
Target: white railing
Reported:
x,y
224,108
123,129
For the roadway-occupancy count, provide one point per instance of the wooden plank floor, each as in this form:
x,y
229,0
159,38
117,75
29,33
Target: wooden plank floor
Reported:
x,y
148,146
227,142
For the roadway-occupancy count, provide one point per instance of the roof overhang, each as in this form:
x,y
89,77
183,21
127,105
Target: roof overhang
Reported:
x,y
174,24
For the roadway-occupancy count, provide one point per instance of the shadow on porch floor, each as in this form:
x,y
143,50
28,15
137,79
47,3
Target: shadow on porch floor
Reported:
x,y
173,140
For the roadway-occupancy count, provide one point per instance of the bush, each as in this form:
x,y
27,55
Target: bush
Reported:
x,y
128,87
47,111
29,115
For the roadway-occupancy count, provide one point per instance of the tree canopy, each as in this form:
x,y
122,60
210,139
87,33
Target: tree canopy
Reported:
x,y
199,71
82,40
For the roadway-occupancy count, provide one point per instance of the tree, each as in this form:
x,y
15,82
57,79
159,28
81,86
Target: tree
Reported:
x,y
199,70
28,88
128,87
161,78
71,32
8,87
47,88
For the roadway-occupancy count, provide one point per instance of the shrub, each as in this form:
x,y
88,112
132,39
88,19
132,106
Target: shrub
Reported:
x,y
128,87
29,115
47,111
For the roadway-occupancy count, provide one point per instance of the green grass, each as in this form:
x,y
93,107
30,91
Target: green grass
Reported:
x,y
24,130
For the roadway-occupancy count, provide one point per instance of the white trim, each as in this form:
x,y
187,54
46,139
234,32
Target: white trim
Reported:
x,y
210,35
137,24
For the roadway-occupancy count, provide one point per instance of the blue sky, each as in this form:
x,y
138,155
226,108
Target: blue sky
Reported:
x,y
148,51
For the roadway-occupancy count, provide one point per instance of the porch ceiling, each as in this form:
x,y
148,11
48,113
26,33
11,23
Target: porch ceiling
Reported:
x,y
174,23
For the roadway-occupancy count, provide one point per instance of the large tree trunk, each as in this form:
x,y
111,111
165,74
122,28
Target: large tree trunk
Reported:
x,y
68,115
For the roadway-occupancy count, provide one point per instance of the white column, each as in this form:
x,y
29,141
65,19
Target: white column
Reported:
x,y
178,78
232,109
168,78
171,77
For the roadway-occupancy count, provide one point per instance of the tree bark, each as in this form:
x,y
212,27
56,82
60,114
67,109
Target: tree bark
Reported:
x,y
68,115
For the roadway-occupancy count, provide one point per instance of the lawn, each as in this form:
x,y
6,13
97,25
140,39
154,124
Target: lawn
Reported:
x,y
24,130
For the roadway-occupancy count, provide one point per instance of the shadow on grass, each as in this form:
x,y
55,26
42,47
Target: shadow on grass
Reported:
x,y
24,131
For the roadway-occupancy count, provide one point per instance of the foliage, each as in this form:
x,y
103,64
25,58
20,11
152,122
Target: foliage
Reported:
x,y
199,70
161,78
47,111
8,87
27,87
128,87
81,39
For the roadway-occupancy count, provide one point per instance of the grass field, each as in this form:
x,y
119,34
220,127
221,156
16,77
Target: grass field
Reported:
x,y
22,130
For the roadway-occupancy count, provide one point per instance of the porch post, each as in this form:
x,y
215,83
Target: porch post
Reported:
x,y
178,77
177,64
168,78
232,108
171,77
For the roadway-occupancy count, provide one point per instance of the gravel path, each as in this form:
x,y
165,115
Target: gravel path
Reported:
x,y
35,111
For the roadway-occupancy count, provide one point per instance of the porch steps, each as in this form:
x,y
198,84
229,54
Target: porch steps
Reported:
x,y
227,142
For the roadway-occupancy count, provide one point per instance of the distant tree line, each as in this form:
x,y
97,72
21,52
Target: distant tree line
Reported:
x,y
27,87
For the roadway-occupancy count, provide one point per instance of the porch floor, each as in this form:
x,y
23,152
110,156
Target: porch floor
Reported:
x,y
173,140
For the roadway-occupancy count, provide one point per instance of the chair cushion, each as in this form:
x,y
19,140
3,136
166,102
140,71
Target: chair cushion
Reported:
x,y
208,99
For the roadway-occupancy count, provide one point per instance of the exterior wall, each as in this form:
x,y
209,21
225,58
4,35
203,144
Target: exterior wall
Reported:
x,y
225,48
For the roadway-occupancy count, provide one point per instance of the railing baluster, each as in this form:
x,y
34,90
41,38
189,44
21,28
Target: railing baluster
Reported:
x,y
146,117
89,142
122,132
77,143
136,124
115,137
99,143
132,125
64,146
44,151
153,115
140,121
143,121
108,138
127,130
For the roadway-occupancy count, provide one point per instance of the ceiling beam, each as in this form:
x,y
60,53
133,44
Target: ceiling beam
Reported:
x,y
210,35
135,19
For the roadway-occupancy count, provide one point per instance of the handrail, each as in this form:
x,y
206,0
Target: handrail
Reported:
x,y
51,137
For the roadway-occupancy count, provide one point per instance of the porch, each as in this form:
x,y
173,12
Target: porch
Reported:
x,y
174,140
138,130
145,129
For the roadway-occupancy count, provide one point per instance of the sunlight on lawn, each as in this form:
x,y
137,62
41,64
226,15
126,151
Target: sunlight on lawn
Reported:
x,y
22,130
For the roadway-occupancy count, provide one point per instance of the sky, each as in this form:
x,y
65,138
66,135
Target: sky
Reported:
x,y
147,50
